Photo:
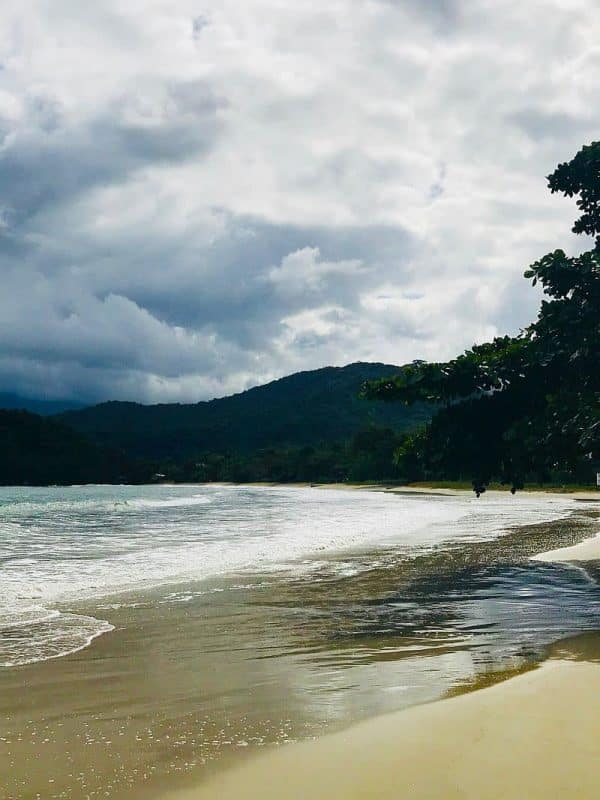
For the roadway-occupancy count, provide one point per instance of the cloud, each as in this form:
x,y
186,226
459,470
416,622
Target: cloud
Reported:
x,y
50,159
194,200
538,124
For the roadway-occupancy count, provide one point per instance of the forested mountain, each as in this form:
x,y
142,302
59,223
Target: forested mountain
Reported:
x,y
36,450
311,426
305,409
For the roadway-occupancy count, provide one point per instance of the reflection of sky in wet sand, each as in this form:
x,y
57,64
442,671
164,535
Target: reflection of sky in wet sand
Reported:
x,y
198,676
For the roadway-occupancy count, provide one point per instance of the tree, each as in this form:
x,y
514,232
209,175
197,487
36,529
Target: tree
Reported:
x,y
522,406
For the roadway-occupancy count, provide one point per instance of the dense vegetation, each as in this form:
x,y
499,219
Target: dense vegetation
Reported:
x,y
38,451
313,409
367,456
525,407
307,427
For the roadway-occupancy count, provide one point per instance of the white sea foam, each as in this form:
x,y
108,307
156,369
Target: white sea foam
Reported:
x,y
172,502
55,636
61,546
19,617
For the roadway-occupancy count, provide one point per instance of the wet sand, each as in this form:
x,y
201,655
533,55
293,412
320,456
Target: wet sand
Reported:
x,y
534,736
178,687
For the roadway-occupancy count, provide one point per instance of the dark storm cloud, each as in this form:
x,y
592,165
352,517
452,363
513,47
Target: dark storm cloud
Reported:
x,y
250,252
203,312
48,160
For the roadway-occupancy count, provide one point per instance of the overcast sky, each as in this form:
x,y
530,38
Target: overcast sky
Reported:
x,y
197,196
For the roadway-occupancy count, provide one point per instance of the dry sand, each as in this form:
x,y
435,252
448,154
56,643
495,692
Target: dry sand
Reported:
x,y
588,550
535,736
532,737
584,496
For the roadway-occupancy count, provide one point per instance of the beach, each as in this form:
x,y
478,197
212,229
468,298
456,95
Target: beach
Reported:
x,y
532,736
210,630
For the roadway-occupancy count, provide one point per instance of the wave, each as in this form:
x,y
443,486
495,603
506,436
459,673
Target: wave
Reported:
x,y
21,617
64,546
24,509
173,502
54,635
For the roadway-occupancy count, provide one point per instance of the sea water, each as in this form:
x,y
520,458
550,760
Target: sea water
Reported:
x,y
62,546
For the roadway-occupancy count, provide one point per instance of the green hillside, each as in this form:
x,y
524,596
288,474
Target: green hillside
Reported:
x,y
35,450
305,409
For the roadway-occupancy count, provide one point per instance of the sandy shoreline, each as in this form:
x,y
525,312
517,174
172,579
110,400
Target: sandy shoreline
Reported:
x,y
588,550
582,496
533,736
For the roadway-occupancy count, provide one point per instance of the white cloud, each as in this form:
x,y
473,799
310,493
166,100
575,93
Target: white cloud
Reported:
x,y
304,277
